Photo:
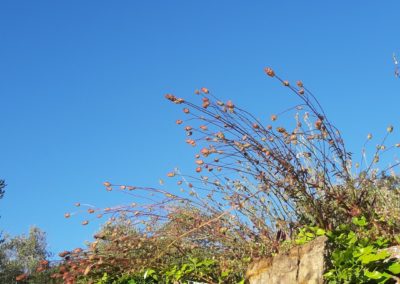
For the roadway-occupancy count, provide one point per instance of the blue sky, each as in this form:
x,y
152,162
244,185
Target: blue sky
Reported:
x,y
82,86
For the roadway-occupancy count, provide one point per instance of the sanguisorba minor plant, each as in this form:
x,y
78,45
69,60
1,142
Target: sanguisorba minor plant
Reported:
x,y
254,185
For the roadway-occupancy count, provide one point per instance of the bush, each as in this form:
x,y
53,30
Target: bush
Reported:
x,y
255,184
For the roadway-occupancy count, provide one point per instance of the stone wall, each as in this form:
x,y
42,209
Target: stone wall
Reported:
x,y
303,264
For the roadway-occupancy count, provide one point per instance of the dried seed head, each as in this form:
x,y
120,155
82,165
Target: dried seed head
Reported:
x,y
171,174
269,72
84,223
274,117
186,110
205,90
389,129
318,124
205,152
206,102
67,215
369,136
299,84
286,83
179,121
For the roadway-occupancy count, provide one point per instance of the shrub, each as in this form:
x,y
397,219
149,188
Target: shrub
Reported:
x,y
255,184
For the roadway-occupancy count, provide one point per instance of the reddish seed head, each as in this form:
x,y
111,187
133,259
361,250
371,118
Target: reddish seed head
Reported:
x,y
191,142
84,223
122,187
301,91
299,84
64,253
205,152
286,83
107,184
205,90
77,204
229,105
269,72
90,211
186,110
21,277
206,102
200,162
179,121
197,92
77,250
171,174
274,117
188,128
318,124
203,127
256,126
198,169
67,215
44,262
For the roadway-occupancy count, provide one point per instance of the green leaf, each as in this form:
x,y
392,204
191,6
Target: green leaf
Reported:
x,y
368,258
373,275
361,222
394,268
148,273
320,232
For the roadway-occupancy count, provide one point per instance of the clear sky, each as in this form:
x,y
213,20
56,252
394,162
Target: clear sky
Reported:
x,y
82,86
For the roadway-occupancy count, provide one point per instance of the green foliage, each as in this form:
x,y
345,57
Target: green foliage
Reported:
x,y
22,255
308,233
356,256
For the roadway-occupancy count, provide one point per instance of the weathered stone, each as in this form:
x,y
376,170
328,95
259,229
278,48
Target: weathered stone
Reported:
x,y
304,264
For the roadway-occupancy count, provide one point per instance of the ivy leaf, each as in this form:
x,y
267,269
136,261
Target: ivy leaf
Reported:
x,y
373,274
394,268
368,258
320,232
